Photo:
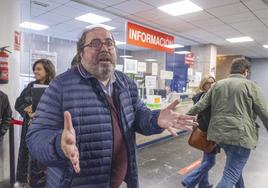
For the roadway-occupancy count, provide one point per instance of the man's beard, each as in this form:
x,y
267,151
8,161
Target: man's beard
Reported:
x,y
102,72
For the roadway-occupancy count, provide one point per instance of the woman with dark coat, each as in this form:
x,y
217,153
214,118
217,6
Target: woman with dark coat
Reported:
x,y
44,72
199,176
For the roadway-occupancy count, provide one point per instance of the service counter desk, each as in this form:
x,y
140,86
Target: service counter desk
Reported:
x,y
142,141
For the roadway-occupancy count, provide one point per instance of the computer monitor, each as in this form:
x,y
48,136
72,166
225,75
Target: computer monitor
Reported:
x,y
161,92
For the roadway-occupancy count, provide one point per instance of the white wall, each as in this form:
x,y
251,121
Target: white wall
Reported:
x,y
259,69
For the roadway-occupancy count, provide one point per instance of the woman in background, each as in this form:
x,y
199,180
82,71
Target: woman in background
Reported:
x,y
199,176
44,72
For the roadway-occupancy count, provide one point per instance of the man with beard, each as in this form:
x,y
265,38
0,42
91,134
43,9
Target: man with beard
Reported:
x,y
85,124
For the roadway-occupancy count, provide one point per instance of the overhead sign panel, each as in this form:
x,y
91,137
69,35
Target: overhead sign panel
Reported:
x,y
144,37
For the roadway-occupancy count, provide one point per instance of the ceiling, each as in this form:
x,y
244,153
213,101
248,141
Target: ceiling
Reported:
x,y
219,20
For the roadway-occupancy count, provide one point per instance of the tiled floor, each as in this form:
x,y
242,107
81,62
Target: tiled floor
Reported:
x,y
159,164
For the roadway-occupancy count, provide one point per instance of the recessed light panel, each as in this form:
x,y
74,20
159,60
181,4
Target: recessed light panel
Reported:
x,y
33,26
179,8
239,39
92,18
172,46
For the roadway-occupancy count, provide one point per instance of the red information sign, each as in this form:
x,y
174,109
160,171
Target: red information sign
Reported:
x,y
144,37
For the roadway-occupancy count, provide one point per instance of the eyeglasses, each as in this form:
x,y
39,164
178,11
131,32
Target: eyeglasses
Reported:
x,y
97,44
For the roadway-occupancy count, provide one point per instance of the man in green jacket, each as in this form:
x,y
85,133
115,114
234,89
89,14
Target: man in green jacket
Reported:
x,y
235,103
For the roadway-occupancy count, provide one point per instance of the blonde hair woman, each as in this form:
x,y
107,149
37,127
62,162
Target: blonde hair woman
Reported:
x,y
199,176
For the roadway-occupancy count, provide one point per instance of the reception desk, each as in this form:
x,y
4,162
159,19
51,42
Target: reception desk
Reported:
x,y
182,108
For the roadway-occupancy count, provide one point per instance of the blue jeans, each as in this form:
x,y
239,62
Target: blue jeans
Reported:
x,y
200,175
236,159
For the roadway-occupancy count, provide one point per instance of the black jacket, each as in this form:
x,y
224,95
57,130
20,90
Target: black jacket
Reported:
x,y
5,113
203,117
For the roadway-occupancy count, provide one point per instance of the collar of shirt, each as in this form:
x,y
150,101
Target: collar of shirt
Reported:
x,y
109,88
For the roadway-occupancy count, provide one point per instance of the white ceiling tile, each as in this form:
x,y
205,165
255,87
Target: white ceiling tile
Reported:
x,y
246,16
265,21
201,15
153,14
91,3
50,19
113,2
249,26
263,13
255,4
60,1
184,27
50,5
68,11
158,3
229,9
117,11
133,6
208,23
137,18
206,4
81,7
227,33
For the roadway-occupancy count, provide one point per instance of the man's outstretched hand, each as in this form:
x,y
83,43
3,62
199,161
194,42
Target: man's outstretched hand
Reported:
x,y
168,119
68,142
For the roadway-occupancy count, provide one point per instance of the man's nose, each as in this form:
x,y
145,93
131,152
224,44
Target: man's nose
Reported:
x,y
104,47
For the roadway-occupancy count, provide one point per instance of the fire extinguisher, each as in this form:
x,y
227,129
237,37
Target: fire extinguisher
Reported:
x,y
4,65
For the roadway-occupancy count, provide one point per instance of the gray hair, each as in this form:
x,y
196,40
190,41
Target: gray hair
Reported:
x,y
81,42
239,66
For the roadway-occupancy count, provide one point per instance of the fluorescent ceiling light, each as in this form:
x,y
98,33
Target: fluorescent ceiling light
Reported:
x,y
182,52
101,25
172,46
265,46
33,26
150,60
239,39
179,8
92,18
119,43
126,56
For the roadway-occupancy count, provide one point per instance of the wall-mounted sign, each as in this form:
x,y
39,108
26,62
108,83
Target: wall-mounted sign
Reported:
x,y
150,82
130,66
17,40
189,58
142,67
168,75
144,37
119,67
154,69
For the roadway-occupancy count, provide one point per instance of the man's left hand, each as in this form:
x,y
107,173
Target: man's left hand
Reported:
x,y
168,119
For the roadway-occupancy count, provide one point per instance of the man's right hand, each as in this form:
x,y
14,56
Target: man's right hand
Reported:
x,y
68,142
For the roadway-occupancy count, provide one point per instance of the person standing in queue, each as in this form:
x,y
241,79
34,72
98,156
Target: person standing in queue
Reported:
x,y
44,72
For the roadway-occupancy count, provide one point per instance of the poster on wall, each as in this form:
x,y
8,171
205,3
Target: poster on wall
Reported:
x,y
141,67
154,69
167,75
119,67
17,41
150,82
52,56
130,66
189,58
